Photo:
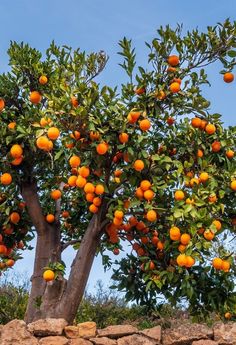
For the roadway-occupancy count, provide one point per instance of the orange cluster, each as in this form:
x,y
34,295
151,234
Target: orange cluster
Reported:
x,y
220,264
144,191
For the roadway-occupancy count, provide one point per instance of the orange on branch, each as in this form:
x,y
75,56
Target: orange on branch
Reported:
x,y
53,133
93,208
233,185
50,218
16,151
174,87
196,122
17,161
210,129
123,138
11,125
185,239
48,275
148,194
230,154
99,189
173,60
179,195
228,77
14,217
6,179
81,181
84,171
216,146
102,148
175,233
2,104
43,80
55,194
35,97
89,188
217,263
151,216
217,224
144,125
145,185
138,165
204,176
74,161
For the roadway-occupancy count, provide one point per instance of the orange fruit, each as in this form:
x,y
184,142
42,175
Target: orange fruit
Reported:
x,y
2,104
72,181
74,101
123,138
118,173
42,143
11,125
35,97
93,208
210,128
151,265
94,135
173,60
44,122
230,154
139,193
14,217
97,201
138,165
89,188
170,121
102,148
171,69
185,239
181,248
53,133
196,122
174,87
217,224
119,214
43,80
139,90
84,171
181,260
212,198
217,263
208,235
16,151
148,194
99,189
50,218
233,185
133,116
175,233
216,146
74,161
17,161
179,195
189,201
10,262
204,176
48,275
200,153
151,216
194,181
145,185
65,214
144,125
228,77
203,124
6,179
160,245
90,197
75,135
55,194
160,95
189,261
81,181
3,249
228,315
225,265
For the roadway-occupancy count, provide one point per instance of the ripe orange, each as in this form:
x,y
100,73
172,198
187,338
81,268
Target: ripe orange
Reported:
x,y
228,77
145,185
84,171
138,165
89,188
53,133
208,235
204,176
185,239
74,101
179,195
200,153
17,161
139,193
119,214
3,249
43,80
2,104
212,198
16,151
35,97
217,263
233,185
133,116
175,233
160,245
14,217
170,121
94,135
230,154
144,125
148,194
123,138
74,161
6,179
75,135
10,262
42,143
181,260
50,218
194,181
189,261
210,128
11,125
93,208
48,275
55,194
65,214
151,216
189,201
102,148
174,87
44,122
173,60
118,173
228,315
171,69
139,90
181,248
90,197
81,181
160,95
72,181
99,189
216,146
196,122
97,201
203,124
225,265
217,224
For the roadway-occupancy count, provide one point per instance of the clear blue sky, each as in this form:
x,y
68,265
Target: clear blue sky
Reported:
x,y
98,25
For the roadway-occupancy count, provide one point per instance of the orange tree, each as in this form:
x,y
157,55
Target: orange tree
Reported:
x,y
83,166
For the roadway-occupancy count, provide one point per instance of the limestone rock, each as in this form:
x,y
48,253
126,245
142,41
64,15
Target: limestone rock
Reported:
x,y
87,329
47,327
71,332
117,331
225,334
136,339
186,334
103,341
54,340
15,333
205,342
80,341
154,333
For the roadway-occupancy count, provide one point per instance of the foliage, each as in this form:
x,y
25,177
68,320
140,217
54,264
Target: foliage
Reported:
x,y
122,142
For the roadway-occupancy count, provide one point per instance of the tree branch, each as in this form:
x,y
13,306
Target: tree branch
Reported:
x,y
67,244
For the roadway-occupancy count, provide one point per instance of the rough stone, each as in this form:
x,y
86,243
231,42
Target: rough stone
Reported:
x,y
205,342
54,340
103,341
154,333
71,332
47,327
225,334
136,339
87,329
117,331
80,341
186,334
15,333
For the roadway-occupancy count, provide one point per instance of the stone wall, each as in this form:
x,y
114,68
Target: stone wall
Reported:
x,y
57,332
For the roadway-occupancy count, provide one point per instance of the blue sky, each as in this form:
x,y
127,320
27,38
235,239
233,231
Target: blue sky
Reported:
x,y
98,25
